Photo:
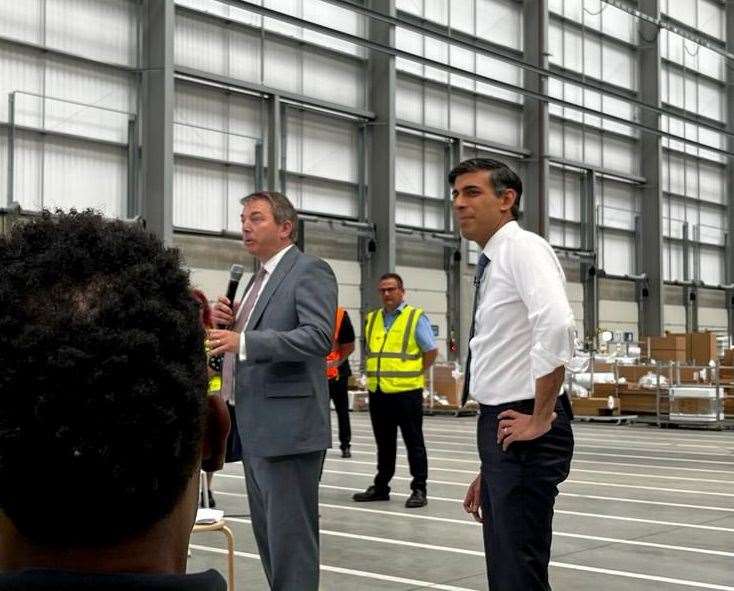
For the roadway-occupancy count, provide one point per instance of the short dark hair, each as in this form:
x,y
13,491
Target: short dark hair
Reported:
x,y
394,276
283,210
501,176
104,379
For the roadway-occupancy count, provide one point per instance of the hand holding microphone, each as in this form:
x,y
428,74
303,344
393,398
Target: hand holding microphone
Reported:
x,y
223,315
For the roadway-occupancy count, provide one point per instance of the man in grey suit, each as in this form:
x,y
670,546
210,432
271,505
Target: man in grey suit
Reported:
x,y
275,354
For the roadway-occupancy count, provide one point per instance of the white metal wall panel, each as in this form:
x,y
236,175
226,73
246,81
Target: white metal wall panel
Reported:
x,y
321,146
420,167
285,65
712,319
409,100
333,79
206,196
618,316
317,196
201,45
21,20
598,17
426,288
617,253
21,70
675,318
575,294
95,87
711,266
234,124
100,29
82,175
349,277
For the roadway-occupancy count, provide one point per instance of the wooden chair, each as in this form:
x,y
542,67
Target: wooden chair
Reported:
x,y
220,526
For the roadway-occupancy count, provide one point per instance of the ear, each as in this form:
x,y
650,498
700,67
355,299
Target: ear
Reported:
x,y
286,229
508,199
215,434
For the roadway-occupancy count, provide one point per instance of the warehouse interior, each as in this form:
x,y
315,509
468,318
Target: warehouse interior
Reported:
x,y
617,114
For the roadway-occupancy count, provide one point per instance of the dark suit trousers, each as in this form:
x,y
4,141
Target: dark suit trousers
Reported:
x,y
283,493
340,398
389,411
519,488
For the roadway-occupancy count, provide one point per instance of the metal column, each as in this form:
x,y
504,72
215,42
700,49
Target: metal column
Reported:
x,y
729,255
536,120
381,155
275,144
588,264
157,103
651,169
11,149
457,272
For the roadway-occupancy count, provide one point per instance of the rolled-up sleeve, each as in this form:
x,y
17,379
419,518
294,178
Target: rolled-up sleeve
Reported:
x,y
541,285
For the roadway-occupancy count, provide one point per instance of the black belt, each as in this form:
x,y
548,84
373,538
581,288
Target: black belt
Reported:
x,y
527,405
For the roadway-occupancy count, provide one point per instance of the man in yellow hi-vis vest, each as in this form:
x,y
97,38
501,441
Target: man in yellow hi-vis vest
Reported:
x,y
400,346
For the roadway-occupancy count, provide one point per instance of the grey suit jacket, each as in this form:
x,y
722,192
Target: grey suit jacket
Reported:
x,y
281,390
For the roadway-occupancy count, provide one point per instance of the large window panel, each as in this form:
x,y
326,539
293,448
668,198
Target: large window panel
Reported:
x,y
711,266
325,197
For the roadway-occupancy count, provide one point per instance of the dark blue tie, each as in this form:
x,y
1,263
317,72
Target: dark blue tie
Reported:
x,y
481,266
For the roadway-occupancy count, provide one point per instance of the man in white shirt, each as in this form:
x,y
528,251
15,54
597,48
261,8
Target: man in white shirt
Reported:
x,y
522,336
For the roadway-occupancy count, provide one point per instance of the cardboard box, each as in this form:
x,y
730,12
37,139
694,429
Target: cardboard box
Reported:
x,y
666,355
445,384
702,347
632,373
640,401
604,390
670,342
728,358
593,407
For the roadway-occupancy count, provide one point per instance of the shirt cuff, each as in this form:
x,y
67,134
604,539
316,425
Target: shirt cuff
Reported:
x,y
243,347
544,361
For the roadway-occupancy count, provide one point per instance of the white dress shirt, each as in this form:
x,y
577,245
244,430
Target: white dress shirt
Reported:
x,y
269,266
524,323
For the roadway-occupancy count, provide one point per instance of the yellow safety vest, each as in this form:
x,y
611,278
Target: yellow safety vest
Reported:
x,y
215,384
394,359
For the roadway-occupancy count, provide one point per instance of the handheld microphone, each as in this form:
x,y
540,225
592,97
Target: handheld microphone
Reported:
x,y
235,274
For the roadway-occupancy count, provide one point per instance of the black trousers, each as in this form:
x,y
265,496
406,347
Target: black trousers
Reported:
x,y
338,394
519,488
388,412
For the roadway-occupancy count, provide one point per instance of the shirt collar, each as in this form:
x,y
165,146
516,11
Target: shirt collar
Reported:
x,y
509,229
396,311
273,261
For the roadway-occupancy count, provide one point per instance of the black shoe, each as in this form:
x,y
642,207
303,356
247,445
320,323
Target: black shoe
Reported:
x,y
346,453
212,504
417,499
371,494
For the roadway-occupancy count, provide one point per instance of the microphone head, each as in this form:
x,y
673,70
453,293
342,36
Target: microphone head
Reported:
x,y
235,272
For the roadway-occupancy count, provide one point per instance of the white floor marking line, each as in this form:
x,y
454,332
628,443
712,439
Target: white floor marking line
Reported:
x,y
575,470
575,453
562,494
584,431
480,553
579,437
470,522
577,461
348,571
569,481
607,447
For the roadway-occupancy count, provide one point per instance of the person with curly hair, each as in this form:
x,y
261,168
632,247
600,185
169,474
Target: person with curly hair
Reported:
x,y
103,396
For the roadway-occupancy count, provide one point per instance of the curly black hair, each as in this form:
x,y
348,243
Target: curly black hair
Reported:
x,y
102,379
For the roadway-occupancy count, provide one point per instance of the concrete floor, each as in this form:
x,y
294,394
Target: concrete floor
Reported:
x,y
644,509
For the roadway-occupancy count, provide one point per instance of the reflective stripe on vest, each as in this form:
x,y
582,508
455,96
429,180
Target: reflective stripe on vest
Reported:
x,y
333,372
394,359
